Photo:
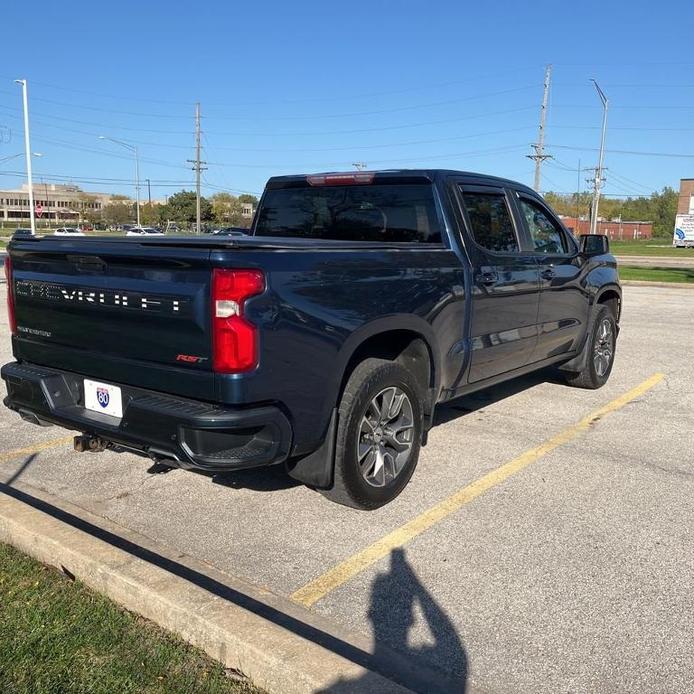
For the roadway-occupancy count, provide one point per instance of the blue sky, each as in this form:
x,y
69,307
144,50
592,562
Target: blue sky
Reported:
x,y
291,87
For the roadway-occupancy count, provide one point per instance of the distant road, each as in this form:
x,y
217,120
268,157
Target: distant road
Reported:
x,y
686,261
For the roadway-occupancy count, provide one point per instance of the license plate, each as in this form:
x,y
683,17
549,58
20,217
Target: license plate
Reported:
x,y
103,397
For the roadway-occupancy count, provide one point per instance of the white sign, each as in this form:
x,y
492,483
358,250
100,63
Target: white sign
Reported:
x,y
684,230
103,397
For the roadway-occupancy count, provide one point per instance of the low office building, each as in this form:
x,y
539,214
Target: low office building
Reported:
x,y
55,203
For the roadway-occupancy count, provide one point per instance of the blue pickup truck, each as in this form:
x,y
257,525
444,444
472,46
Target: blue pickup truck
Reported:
x,y
323,340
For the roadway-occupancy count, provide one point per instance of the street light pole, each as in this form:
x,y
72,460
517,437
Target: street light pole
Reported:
x,y
133,149
597,182
27,150
137,185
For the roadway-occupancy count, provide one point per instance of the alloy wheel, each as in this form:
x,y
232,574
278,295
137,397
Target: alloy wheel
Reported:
x,y
385,437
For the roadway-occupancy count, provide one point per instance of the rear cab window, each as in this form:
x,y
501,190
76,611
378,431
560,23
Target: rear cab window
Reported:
x,y
380,210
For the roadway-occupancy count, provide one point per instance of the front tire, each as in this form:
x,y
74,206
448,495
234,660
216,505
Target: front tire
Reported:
x,y
378,437
600,346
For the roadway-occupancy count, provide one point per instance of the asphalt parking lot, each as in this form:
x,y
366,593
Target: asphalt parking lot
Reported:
x,y
569,568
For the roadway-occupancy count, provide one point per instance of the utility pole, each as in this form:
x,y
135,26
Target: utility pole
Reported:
x,y
27,147
599,180
578,199
539,147
197,167
48,205
149,192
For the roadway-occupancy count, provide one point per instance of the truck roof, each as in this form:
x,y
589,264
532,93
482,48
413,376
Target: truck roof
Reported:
x,y
427,174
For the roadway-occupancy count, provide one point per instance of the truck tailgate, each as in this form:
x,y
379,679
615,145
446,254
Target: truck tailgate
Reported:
x,y
116,312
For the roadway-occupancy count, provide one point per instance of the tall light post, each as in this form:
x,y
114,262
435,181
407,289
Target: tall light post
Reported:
x,y
27,151
133,149
597,182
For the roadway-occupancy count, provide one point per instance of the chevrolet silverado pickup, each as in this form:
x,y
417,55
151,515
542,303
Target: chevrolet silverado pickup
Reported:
x,y
323,340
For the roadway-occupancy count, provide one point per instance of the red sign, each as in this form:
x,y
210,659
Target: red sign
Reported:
x,y
38,209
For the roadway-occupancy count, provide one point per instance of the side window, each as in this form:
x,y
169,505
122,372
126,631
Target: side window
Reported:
x,y
491,221
547,236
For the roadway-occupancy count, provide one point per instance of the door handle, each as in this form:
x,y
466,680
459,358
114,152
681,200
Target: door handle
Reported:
x,y
488,277
548,274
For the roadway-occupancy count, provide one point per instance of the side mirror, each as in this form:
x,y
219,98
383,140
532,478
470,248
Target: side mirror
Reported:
x,y
594,244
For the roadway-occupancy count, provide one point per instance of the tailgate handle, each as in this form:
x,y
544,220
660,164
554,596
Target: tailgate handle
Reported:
x,y
87,262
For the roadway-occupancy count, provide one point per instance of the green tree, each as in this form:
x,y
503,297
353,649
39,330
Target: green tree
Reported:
x,y
659,208
181,208
119,211
666,211
149,214
222,207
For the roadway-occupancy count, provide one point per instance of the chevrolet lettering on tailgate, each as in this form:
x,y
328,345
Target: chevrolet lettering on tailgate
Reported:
x,y
32,289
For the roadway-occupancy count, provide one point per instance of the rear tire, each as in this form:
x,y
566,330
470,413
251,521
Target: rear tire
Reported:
x,y
378,436
600,347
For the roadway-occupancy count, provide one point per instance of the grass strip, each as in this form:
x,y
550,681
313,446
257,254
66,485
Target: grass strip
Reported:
x,y
57,635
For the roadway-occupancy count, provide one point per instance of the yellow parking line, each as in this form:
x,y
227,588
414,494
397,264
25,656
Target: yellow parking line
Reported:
x,y
29,450
343,572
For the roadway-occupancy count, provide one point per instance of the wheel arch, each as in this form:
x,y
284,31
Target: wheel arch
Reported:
x,y
611,294
411,344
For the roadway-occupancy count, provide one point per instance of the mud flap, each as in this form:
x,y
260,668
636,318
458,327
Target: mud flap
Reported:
x,y
580,361
316,469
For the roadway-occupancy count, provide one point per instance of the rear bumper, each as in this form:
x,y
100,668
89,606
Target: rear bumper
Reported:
x,y
188,433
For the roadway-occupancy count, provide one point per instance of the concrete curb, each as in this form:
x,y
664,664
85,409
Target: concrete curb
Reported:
x,y
277,644
668,285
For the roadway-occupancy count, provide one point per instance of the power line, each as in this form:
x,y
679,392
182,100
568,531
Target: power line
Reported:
x,y
264,116
456,119
624,127
59,178
629,182
303,134
632,107
419,87
347,163
626,151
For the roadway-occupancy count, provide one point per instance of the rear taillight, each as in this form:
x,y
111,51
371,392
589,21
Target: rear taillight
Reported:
x,y
234,339
10,295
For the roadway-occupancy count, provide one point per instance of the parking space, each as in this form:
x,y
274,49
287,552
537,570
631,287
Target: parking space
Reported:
x,y
569,572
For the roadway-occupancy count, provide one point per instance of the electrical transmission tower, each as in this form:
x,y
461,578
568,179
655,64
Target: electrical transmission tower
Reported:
x,y
539,147
197,167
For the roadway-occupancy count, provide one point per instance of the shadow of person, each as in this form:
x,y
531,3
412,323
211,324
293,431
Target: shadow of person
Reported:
x,y
21,470
398,602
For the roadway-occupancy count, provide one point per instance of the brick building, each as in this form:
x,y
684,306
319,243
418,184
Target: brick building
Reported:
x,y
685,202
615,229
